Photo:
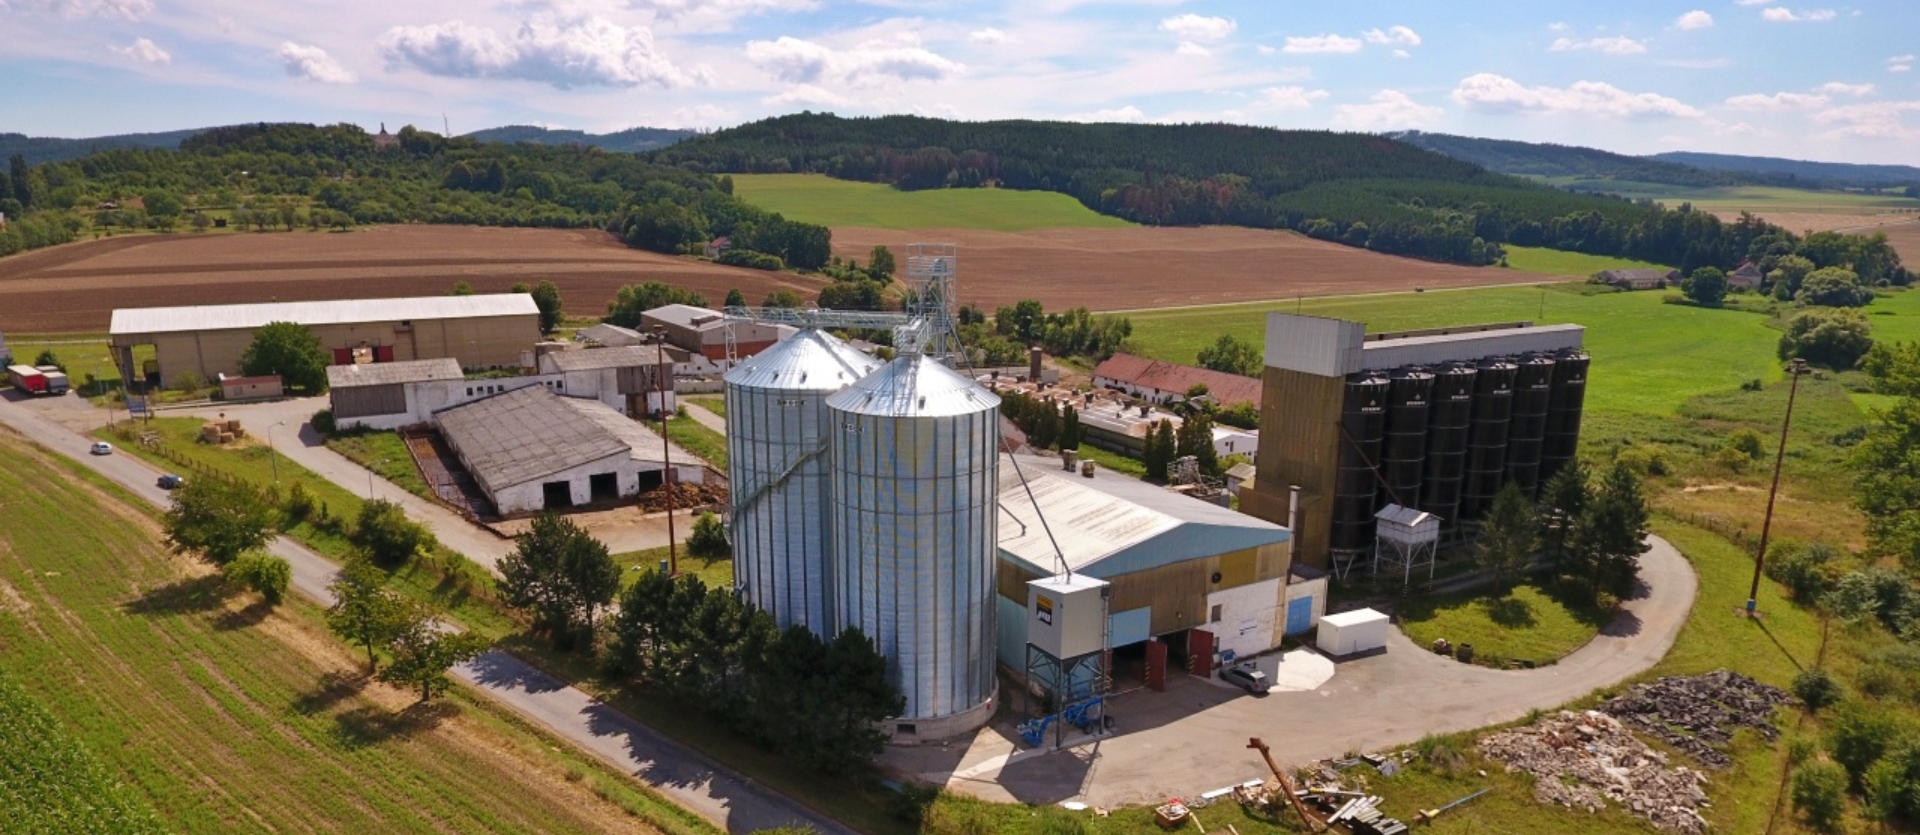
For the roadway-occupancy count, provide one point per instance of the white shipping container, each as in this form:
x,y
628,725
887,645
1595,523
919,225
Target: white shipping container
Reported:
x,y
1353,632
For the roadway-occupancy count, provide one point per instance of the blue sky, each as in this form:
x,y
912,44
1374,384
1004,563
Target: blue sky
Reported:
x,y
1810,80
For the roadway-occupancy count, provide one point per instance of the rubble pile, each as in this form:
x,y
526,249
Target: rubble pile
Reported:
x,y
685,497
1698,714
1583,759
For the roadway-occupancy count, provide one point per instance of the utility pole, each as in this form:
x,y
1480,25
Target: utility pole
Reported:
x,y
1798,368
663,381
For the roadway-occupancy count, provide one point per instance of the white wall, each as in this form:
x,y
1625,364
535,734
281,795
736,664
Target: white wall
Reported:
x,y
1232,440
531,496
1315,588
1249,617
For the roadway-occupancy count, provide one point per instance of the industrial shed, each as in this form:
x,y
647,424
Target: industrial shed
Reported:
x,y
626,378
1205,580
489,331
532,449
704,331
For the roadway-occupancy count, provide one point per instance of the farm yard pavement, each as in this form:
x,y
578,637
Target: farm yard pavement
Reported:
x,y
729,800
1190,739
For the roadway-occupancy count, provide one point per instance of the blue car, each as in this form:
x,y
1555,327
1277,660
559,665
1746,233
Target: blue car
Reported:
x,y
170,481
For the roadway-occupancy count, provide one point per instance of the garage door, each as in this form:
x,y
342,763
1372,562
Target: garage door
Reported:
x,y
1299,614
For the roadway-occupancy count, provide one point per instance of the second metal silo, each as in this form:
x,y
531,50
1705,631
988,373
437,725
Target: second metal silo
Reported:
x,y
1449,424
1532,390
1404,459
1363,420
915,476
778,433
1564,405
1487,443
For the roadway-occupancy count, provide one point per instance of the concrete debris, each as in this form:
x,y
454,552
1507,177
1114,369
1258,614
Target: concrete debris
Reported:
x,y
1581,760
1698,714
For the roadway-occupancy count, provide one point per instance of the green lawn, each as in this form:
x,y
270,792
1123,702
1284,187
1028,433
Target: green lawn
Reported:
x,y
816,198
1734,198
1528,625
714,403
1555,262
716,572
386,454
223,715
1648,357
693,437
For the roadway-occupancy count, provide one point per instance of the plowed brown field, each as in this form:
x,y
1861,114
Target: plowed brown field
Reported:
x,y
1906,241
1122,269
75,288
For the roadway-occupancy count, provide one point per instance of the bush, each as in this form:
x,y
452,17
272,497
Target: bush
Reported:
x,y
709,537
323,422
1835,339
1808,571
1816,689
300,504
1861,734
387,536
1644,460
267,574
750,259
1747,442
1820,793
188,382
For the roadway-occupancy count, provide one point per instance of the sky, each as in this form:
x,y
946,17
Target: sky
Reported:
x,y
1810,81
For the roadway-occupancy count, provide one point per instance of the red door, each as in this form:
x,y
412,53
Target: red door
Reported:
x,y
343,356
383,353
1200,652
1157,666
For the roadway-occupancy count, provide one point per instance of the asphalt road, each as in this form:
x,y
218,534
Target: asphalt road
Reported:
x,y
724,797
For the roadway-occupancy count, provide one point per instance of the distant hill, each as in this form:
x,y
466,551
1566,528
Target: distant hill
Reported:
x,y
629,141
39,149
1538,159
1820,174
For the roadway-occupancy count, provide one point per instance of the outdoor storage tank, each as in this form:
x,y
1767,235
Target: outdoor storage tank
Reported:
x,y
777,437
1449,423
1405,457
1363,421
1532,388
1564,404
915,481
1487,443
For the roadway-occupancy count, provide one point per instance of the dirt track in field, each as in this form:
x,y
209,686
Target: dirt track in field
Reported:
x,y
74,288
1121,269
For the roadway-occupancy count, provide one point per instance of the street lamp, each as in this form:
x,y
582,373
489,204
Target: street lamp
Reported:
x,y
662,382
1798,368
273,455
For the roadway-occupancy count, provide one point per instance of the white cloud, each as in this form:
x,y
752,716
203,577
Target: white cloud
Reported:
x,y
1401,53
1751,2
1778,101
1782,14
145,52
1900,63
564,50
1489,93
1558,26
1289,97
132,10
1263,49
802,61
1293,74
1318,44
714,15
1839,88
1616,45
1193,49
1394,35
987,35
1878,120
1695,19
1195,27
1118,114
810,94
1697,63
312,63
1386,110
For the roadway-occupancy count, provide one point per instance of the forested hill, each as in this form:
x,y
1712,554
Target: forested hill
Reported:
x,y
39,149
629,141
1806,173
1362,190
282,175
1547,160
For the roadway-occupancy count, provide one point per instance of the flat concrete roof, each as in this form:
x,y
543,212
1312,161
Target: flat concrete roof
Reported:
x,y
389,373
214,317
1336,348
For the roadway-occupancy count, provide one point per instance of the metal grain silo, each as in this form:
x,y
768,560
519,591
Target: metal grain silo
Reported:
x,y
1363,421
1532,389
1564,407
777,438
915,481
1449,424
1487,446
1404,461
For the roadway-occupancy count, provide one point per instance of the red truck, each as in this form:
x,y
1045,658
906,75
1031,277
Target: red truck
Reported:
x,y
27,379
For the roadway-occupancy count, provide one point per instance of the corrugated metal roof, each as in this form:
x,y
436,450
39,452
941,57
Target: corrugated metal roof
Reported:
x,y
529,433
686,316
810,360
215,317
611,336
1474,345
388,373
914,385
624,357
1111,525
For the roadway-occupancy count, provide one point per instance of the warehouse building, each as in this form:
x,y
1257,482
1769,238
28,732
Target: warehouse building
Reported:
x,y
1167,382
628,379
704,331
1205,583
490,331
389,395
1436,420
532,449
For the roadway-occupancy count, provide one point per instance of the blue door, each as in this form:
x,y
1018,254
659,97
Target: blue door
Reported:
x,y
1299,615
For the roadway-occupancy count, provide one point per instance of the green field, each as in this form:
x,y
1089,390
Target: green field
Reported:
x,y
223,715
1734,198
1527,625
816,198
1555,262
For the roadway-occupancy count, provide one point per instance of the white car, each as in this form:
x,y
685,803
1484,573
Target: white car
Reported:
x,y
1252,680
102,448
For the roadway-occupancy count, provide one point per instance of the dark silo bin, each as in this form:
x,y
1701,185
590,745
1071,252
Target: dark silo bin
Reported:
x,y
1449,425
1487,443
1404,459
1532,392
1363,420
1564,407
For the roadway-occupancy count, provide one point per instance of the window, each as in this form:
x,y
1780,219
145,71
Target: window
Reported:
x,y
469,391
909,729
1213,615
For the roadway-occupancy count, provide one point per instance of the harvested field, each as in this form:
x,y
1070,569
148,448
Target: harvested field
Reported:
x,y
1799,221
75,288
1143,267
1906,241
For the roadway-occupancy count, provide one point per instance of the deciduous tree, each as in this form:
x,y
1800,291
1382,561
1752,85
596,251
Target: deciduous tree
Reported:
x,y
290,350
546,296
262,572
1706,286
423,650
1230,355
385,534
218,520
562,576
365,611
1835,339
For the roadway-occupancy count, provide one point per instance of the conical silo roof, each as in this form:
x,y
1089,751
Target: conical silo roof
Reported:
x,y
810,360
914,385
